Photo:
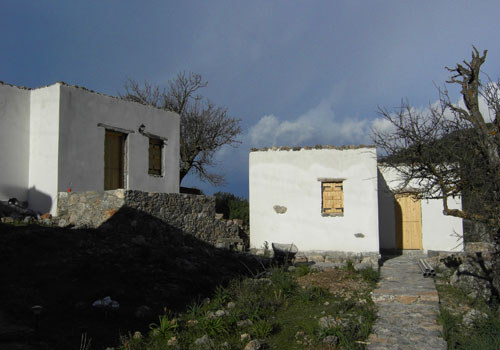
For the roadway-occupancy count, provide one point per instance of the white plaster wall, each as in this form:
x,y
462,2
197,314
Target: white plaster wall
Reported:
x,y
14,138
81,161
439,231
290,179
44,147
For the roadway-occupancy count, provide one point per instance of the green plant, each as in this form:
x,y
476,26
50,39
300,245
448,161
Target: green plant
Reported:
x,y
239,209
221,296
283,314
232,207
214,327
370,275
132,342
165,328
302,270
310,294
262,329
194,309
482,333
283,280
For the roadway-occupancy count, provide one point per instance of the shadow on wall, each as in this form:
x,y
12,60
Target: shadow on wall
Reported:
x,y
20,193
136,259
39,201
386,214
28,197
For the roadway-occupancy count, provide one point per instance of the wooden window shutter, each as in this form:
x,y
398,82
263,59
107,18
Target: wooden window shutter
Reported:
x,y
155,156
333,198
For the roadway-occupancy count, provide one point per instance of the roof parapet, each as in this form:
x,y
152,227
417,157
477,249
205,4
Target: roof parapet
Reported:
x,y
307,148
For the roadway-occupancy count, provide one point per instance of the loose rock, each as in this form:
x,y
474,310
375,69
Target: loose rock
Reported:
x,y
205,340
331,340
253,345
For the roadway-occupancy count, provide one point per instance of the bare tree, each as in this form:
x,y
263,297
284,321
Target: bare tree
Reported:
x,y
450,149
205,128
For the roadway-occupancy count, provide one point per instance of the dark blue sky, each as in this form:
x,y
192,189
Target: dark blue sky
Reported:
x,y
295,72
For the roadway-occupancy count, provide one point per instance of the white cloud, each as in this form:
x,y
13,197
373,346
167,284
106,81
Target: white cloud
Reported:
x,y
319,125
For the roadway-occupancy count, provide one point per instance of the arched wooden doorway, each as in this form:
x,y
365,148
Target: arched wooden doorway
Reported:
x,y
408,221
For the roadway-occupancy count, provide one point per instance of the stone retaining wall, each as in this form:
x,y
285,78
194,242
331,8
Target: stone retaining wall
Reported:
x,y
470,270
190,214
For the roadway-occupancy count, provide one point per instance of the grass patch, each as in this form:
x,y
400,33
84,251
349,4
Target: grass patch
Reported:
x,y
461,330
276,310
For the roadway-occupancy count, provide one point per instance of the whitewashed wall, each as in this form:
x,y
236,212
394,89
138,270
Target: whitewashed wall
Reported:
x,y
44,148
439,232
14,138
290,178
51,141
81,160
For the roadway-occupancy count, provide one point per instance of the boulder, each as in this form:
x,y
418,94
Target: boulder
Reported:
x,y
473,277
473,316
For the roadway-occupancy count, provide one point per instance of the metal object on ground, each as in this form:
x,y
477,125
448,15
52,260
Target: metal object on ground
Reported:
x,y
430,268
284,253
427,269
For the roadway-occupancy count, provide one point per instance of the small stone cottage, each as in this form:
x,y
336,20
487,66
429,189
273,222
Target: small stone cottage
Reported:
x,y
327,199
63,138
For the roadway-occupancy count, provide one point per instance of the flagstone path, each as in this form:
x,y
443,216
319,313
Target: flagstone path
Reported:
x,y
408,307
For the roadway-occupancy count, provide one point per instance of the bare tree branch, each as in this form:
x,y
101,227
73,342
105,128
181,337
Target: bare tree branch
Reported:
x,y
452,150
205,128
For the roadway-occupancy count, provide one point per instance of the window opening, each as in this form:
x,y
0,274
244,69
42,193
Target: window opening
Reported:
x,y
332,198
155,157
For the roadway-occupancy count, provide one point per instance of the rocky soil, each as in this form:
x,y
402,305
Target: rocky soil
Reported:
x,y
66,270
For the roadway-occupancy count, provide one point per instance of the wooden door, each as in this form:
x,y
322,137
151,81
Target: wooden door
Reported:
x,y
114,160
408,222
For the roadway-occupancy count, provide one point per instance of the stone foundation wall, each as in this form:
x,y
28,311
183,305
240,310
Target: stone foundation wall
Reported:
x,y
191,214
331,258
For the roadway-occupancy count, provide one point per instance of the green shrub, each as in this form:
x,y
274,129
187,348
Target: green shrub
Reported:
x,y
165,328
214,327
262,329
283,281
302,270
370,275
195,309
232,207
312,294
221,297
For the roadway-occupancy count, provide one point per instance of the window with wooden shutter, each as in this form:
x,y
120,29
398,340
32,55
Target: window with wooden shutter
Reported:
x,y
155,157
333,198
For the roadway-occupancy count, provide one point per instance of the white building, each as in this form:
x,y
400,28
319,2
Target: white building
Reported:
x,y
336,199
62,137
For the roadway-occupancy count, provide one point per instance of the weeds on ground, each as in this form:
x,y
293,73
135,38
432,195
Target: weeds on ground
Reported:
x,y
482,332
272,309
302,270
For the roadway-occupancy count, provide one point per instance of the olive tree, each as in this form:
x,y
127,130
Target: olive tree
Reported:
x,y
205,127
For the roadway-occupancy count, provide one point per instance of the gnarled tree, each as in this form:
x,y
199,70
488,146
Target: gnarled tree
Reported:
x,y
205,128
452,149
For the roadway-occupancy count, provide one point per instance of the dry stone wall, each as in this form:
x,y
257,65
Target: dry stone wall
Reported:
x,y
186,213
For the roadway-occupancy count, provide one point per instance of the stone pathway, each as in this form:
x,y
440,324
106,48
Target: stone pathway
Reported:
x,y
408,306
